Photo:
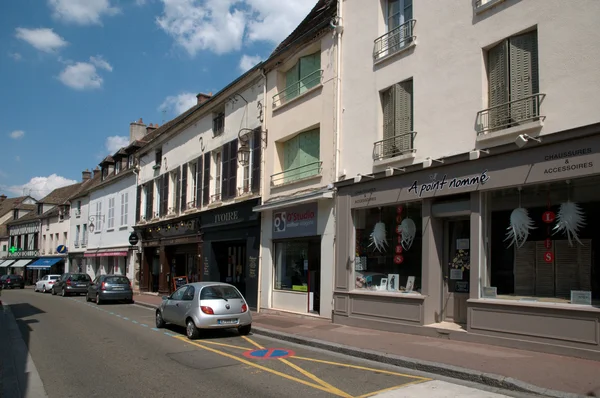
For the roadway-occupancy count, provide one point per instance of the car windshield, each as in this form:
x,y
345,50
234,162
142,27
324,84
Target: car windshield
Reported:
x,y
80,277
219,292
117,280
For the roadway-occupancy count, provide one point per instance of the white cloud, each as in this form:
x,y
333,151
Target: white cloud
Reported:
x,y
115,142
82,12
178,104
15,56
248,61
274,20
44,39
84,75
18,158
15,135
38,187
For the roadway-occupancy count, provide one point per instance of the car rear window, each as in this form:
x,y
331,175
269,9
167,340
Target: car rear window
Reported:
x,y
117,280
219,292
53,278
80,277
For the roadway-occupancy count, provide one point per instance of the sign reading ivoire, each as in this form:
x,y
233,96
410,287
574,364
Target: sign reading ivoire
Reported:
x,y
296,221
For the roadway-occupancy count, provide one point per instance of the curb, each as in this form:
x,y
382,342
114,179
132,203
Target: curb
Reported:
x,y
488,379
147,305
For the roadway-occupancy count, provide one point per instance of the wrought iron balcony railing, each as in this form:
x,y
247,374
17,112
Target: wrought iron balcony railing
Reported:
x,y
394,146
297,173
215,198
394,40
294,90
510,114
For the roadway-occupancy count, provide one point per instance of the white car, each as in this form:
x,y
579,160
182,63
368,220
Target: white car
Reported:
x,y
45,284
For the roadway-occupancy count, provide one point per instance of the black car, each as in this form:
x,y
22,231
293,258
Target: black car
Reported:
x,y
12,281
71,283
110,288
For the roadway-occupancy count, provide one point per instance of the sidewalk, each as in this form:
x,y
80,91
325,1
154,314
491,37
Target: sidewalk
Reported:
x,y
516,370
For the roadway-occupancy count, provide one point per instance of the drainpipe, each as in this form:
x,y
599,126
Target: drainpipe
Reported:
x,y
262,185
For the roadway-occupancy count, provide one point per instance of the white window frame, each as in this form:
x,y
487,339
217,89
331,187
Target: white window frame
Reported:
x,y
218,162
191,177
77,232
111,213
124,208
172,208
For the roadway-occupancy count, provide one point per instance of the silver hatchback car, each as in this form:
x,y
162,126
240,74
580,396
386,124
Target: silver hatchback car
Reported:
x,y
205,305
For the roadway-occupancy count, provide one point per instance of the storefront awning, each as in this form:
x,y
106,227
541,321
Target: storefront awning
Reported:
x,y
6,263
294,201
44,263
20,263
120,252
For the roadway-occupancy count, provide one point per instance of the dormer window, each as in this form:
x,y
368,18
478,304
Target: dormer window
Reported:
x,y
15,214
158,158
117,167
218,122
40,208
104,173
130,162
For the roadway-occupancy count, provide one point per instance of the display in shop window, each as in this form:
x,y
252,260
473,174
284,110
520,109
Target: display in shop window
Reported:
x,y
569,220
410,284
393,282
378,237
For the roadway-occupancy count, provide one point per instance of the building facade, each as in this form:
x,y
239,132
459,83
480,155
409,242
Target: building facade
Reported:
x,y
11,209
198,181
472,217
297,210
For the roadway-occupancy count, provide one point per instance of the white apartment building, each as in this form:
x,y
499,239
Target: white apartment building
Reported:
x,y
469,153
198,182
297,210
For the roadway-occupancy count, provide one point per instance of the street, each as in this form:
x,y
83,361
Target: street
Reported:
x,y
81,349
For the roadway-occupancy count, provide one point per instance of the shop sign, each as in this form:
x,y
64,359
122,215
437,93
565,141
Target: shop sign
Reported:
x,y
581,297
564,164
226,217
133,239
295,221
440,184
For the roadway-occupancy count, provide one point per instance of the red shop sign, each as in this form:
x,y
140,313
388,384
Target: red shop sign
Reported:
x,y
548,243
399,249
398,259
399,209
548,257
548,217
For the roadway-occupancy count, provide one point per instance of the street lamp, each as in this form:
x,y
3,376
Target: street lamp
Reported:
x,y
92,219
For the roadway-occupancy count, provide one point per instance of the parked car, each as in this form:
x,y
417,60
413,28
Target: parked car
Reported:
x,y
12,281
71,283
205,305
110,288
45,284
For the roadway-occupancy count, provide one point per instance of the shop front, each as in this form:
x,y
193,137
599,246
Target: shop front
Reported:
x,y
104,261
231,247
171,254
45,266
298,256
77,262
500,250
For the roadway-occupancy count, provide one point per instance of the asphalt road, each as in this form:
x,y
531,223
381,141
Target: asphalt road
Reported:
x,y
84,350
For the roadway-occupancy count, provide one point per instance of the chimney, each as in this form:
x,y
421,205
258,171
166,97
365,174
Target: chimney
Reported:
x,y
137,130
3,198
202,98
96,171
151,128
86,175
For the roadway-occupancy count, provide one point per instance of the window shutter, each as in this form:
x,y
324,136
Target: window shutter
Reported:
x,y
224,171
387,100
309,66
184,173
290,159
308,153
403,116
199,182
149,199
524,79
498,85
291,84
177,192
232,180
256,160
138,204
206,185
164,196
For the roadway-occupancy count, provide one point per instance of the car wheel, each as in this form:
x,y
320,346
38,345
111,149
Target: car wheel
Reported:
x,y
44,289
63,292
35,288
160,322
98,301
191,330
245,330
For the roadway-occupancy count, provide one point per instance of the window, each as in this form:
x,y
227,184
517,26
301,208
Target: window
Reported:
x,y
40,208
158,195
256,159
15,214
174,185
178,294
118,166
301,156
192,181
304,75
65,240
219,123
219,293
158,158
164,195
399,28
149,199
293,260
77,232
104,172
398,12
397,106
124,207
3,248
548,265
111,213
84,236
36,238
229,170
98,217
44,243
130,161
189,293
218,168
513,83
206,180
388,261
78,209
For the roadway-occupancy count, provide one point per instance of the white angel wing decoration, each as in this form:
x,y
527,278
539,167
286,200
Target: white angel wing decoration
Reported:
x,y
378,237
568,221
520,225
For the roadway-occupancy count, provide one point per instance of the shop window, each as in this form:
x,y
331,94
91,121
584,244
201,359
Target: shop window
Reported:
x,y
388,248
544,264
297,264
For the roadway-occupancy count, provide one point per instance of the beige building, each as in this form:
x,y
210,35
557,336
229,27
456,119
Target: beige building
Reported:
x,y
469,160
297,237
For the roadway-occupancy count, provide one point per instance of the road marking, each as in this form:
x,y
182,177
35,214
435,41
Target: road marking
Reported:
x,y
170,334
156,329
134,321
112,313
255,344
144,325
275,372
226,345
391,388
118,315
126,318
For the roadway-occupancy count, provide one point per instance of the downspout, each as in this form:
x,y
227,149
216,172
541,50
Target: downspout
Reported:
x,y
137,283
262,186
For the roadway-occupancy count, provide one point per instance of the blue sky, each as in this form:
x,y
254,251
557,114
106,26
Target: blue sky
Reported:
x,y
75,73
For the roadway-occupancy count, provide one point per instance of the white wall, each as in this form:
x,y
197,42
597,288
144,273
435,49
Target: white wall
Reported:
x,y
450,81
50,227
78,244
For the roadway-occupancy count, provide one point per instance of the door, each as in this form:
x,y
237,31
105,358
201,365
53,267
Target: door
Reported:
x,y
314,276
171,311
456,270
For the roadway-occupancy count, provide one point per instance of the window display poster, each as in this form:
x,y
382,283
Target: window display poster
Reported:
x,y
462,244
456,274
360,264
410,284
393,282
383,284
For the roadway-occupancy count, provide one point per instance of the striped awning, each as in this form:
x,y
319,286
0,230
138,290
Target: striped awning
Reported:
x,y
6,263
20,263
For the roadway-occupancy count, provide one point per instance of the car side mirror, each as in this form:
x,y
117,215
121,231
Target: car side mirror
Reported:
x,y
165,298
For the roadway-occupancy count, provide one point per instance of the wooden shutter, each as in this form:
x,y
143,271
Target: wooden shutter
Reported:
x,y
177,192
198,176
498,85
149,199
524,79
184,175
224,171
387,100
403,115
308,153
256,160
290,159
232,180
164,195
309,66
206,178
138,204
291,84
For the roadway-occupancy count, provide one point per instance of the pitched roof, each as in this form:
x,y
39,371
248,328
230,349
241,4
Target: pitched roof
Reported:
x,y
87,186
61,195
9,204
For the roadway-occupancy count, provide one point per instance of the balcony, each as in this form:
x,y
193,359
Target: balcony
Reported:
x,y
215,198
76,243
309,170
484,5
398,145
511,114
394,41
77,213
295,90
84,242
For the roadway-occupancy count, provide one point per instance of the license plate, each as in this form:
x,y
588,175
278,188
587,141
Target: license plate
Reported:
x,y
118,288
81,285
227,321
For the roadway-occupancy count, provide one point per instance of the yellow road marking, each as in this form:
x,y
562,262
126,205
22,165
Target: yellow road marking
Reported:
x,y
275,372
226,345
255,344
362,368
391,388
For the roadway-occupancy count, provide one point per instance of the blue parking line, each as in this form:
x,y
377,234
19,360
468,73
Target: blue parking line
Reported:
x,y
126,318
134,321
112,313
118,315
144,325
169,334
155,329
